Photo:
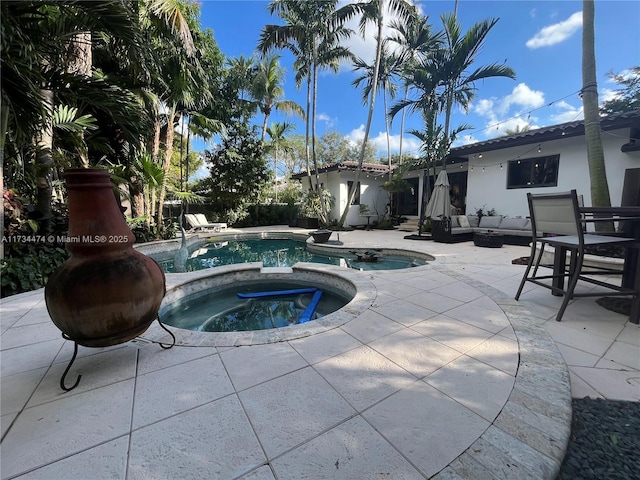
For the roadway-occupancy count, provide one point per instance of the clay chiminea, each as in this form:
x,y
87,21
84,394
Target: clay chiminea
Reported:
x,y
107,292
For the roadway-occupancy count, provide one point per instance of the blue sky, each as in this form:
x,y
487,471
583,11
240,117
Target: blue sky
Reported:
x,y
540,40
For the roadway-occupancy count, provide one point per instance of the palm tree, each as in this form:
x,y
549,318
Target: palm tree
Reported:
x,y
443,78
371,11
595,154
389,67
312,32
279,143
416,40
181,81
518,129
456,59
42,67
267,91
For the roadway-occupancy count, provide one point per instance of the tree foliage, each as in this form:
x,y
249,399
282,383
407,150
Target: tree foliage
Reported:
x,y
238,170
626,98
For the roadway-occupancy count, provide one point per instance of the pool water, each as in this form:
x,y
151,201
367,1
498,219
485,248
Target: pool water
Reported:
x,y
281,253
220,310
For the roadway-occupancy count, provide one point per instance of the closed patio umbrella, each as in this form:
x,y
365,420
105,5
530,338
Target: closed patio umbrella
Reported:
x,y
439,204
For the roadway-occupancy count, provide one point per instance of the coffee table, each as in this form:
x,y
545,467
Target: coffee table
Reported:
x,y
488,239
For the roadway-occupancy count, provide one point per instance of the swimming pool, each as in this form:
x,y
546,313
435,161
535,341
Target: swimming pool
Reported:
x,y
285,253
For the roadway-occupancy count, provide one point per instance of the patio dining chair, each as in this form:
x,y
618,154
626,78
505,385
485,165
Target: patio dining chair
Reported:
x,y
556,221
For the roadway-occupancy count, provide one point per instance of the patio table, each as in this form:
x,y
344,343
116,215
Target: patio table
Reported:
x,y
488,239
368,217
631,268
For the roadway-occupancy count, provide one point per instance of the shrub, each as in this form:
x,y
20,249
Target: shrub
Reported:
x,y
481,212
32,270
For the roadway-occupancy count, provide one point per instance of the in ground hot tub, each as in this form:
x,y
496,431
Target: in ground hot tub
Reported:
x,y
257,304
206,310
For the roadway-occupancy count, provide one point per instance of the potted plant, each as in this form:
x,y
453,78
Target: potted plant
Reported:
x,y
321,236
314,207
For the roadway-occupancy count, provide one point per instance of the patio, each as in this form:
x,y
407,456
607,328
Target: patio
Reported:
x,y
443,376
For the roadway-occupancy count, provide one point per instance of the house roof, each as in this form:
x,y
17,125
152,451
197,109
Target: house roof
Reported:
x,y
376,168
545,134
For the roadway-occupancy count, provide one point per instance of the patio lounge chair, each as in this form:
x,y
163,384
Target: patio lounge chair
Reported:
x,y
198,222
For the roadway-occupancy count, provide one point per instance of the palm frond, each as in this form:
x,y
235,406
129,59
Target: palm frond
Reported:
x,y
65,118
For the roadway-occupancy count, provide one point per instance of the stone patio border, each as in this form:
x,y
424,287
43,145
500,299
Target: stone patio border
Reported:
x,y
534,425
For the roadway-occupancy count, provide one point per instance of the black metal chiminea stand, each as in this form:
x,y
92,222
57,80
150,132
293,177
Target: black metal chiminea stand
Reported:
x,y
75,353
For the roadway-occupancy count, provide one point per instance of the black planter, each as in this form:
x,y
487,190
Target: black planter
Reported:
x,y
321,236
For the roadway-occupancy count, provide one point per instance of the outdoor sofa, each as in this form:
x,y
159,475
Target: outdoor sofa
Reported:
x,y
460,228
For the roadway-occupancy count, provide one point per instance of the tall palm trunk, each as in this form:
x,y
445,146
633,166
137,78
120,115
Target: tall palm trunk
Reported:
x,y
166,164
306,133
136,189
374,88
275,173
44,163
447,122
595,153
386,126
402,118
149,197
79,62
267,113
323,209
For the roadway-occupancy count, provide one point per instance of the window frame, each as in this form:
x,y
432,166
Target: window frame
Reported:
x,y
533,173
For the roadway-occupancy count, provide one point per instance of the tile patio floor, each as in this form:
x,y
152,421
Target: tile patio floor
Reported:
x,y
444,375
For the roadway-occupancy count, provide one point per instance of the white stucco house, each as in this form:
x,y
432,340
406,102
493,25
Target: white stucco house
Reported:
x,y
497,173
550,159
339,179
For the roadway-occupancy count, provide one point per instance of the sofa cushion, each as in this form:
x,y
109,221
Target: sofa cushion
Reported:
x,y
527,225
454,221
490,221
510,223
474,220
463,221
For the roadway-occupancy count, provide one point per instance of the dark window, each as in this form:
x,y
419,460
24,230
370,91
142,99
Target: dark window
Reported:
x,y
356,198
533,172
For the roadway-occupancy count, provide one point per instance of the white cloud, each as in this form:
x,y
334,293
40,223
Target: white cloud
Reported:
x,y
410,145
355,135
566,113
607,94
512,125
465,140
484,107
365,48
330,122
556,33
522,96
533,13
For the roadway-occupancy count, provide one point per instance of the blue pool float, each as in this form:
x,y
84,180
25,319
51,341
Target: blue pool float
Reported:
x,y
277,293
311,308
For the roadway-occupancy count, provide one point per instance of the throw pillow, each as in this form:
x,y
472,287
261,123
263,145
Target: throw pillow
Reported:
x,y
454,222
463,221
474,221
